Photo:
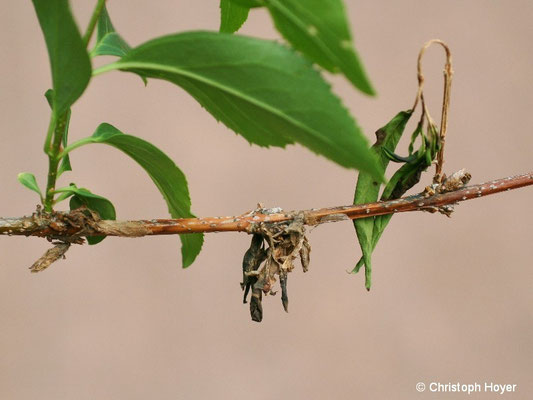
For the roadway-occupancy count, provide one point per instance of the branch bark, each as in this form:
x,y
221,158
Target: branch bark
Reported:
x,y
71,226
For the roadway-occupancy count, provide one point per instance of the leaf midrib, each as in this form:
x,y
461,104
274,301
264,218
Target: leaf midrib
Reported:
x,y
224,88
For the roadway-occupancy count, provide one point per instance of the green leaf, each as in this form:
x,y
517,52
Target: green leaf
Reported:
x,y
49,96
404,179
232,16
260,89
320,30
367,188
108,41
83,197
168,178
249,3
69,61
104,25
409,174
30,182
111,45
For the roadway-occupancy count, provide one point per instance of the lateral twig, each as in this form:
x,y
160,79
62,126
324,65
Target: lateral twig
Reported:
x,y
56,225
448,74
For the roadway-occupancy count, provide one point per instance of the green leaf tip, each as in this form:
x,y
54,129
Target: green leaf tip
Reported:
x,y
108,41
320,30
191,246
402,180
167,177
367,190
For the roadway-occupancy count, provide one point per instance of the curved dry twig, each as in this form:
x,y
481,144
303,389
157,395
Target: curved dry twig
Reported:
x,y
448,73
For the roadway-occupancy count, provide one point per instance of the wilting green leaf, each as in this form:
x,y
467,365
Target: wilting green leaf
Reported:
x,y
320,30
260,89
69,61
164,173
83,197
367,188
30,182
232,16
404,179
108,41
409,174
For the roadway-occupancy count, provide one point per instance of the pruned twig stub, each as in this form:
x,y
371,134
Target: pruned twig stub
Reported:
x,y
286,241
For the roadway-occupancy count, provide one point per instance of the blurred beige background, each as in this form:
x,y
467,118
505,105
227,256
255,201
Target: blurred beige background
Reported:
x,y
452,298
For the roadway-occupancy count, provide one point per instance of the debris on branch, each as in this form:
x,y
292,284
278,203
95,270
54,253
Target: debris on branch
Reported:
x,y
286,241
251,262
449,184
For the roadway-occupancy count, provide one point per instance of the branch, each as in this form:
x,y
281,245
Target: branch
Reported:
x,y
92,22
71,226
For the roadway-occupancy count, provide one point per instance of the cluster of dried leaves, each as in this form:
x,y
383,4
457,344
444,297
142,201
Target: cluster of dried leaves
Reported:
x,y
261,264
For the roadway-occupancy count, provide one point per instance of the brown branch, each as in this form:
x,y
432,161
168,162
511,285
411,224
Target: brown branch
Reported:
x,y
70,226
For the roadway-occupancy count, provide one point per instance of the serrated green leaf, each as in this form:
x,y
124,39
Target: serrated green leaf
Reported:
x,y
260,89
30,182
108,41
69,61
232,16
320,30
84,197
168,178
367,188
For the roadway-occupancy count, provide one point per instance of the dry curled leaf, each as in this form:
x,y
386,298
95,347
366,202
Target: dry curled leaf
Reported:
x,y
51,256
252,259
